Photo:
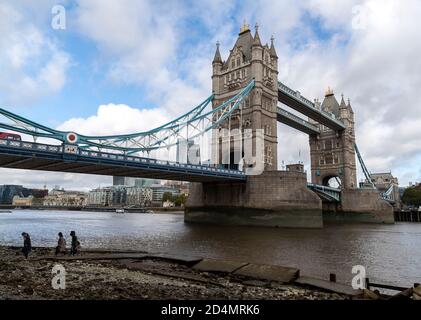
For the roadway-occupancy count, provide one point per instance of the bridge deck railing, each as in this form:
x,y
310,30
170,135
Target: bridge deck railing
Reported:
x,y
73,150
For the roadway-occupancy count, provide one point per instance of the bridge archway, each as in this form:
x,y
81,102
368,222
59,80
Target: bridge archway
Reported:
x,y
332,181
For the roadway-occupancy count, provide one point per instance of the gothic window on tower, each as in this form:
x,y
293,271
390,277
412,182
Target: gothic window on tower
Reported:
x,y
328,144
269,155
238,62
238,75
233,64
329,159
265,152
244,73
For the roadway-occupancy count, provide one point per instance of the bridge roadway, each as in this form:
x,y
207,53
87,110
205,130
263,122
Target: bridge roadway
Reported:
x,y
43,157
294,100
36,156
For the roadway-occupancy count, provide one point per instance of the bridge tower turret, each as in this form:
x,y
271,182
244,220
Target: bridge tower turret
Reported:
x,y
248,60
333,153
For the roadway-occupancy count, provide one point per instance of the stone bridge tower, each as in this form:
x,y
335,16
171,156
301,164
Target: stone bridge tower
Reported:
x,y
270,198
278,198
248,60
333,153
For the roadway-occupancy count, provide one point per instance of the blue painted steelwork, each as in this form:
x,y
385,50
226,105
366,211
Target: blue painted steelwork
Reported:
x,y
388,194
305,106
328,193
363,166
296,122
71,153
189,126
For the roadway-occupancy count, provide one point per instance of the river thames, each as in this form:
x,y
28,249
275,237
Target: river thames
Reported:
x,y
390,253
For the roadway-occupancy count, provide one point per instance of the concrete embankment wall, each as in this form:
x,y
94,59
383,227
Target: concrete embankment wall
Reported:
x,y
359,205
272,199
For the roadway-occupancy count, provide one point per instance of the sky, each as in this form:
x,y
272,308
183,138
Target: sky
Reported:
x,y
130,65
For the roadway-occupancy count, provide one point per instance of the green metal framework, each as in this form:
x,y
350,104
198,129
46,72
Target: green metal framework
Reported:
x,y
189,126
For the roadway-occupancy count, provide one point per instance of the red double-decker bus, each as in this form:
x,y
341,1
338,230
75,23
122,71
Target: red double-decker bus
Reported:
x,y
10,136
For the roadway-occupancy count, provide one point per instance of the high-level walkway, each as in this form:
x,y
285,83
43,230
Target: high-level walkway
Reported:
x,y
294,100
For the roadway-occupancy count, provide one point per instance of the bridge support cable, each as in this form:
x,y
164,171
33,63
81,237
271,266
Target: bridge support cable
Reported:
x,y
363,166
192,125
386,195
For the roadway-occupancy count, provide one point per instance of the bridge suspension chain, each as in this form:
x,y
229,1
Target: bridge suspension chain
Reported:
x,y
386,195
191,125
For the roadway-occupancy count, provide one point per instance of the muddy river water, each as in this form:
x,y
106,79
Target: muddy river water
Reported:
x,y
390,253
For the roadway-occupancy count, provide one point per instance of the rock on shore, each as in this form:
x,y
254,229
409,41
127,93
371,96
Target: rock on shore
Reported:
x,y
132,279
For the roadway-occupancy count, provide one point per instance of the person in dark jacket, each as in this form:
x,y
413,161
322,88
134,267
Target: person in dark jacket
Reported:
x,y
27,247
75,244
61,244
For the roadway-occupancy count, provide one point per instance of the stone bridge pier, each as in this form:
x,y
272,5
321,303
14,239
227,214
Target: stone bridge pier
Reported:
x,y
272,199
359,205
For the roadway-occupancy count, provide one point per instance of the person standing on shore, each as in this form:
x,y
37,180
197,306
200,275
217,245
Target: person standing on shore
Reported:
x,y
75,244
27,247
61,245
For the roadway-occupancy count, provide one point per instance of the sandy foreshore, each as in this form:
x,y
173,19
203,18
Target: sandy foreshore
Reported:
x,y
110,275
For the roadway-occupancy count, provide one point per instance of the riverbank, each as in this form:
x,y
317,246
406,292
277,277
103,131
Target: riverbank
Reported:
x,y
102,274
148,210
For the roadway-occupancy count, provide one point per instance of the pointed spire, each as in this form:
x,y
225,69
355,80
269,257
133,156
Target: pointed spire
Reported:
x,y
217,58
256,41
328,92
272,48
343,105
349,105
245,27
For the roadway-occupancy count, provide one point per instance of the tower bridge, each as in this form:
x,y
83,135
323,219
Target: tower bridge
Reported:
x,y
245,104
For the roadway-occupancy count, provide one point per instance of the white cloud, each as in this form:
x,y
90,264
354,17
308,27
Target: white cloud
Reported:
x,y
146,43
377,67
31,64
116,119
